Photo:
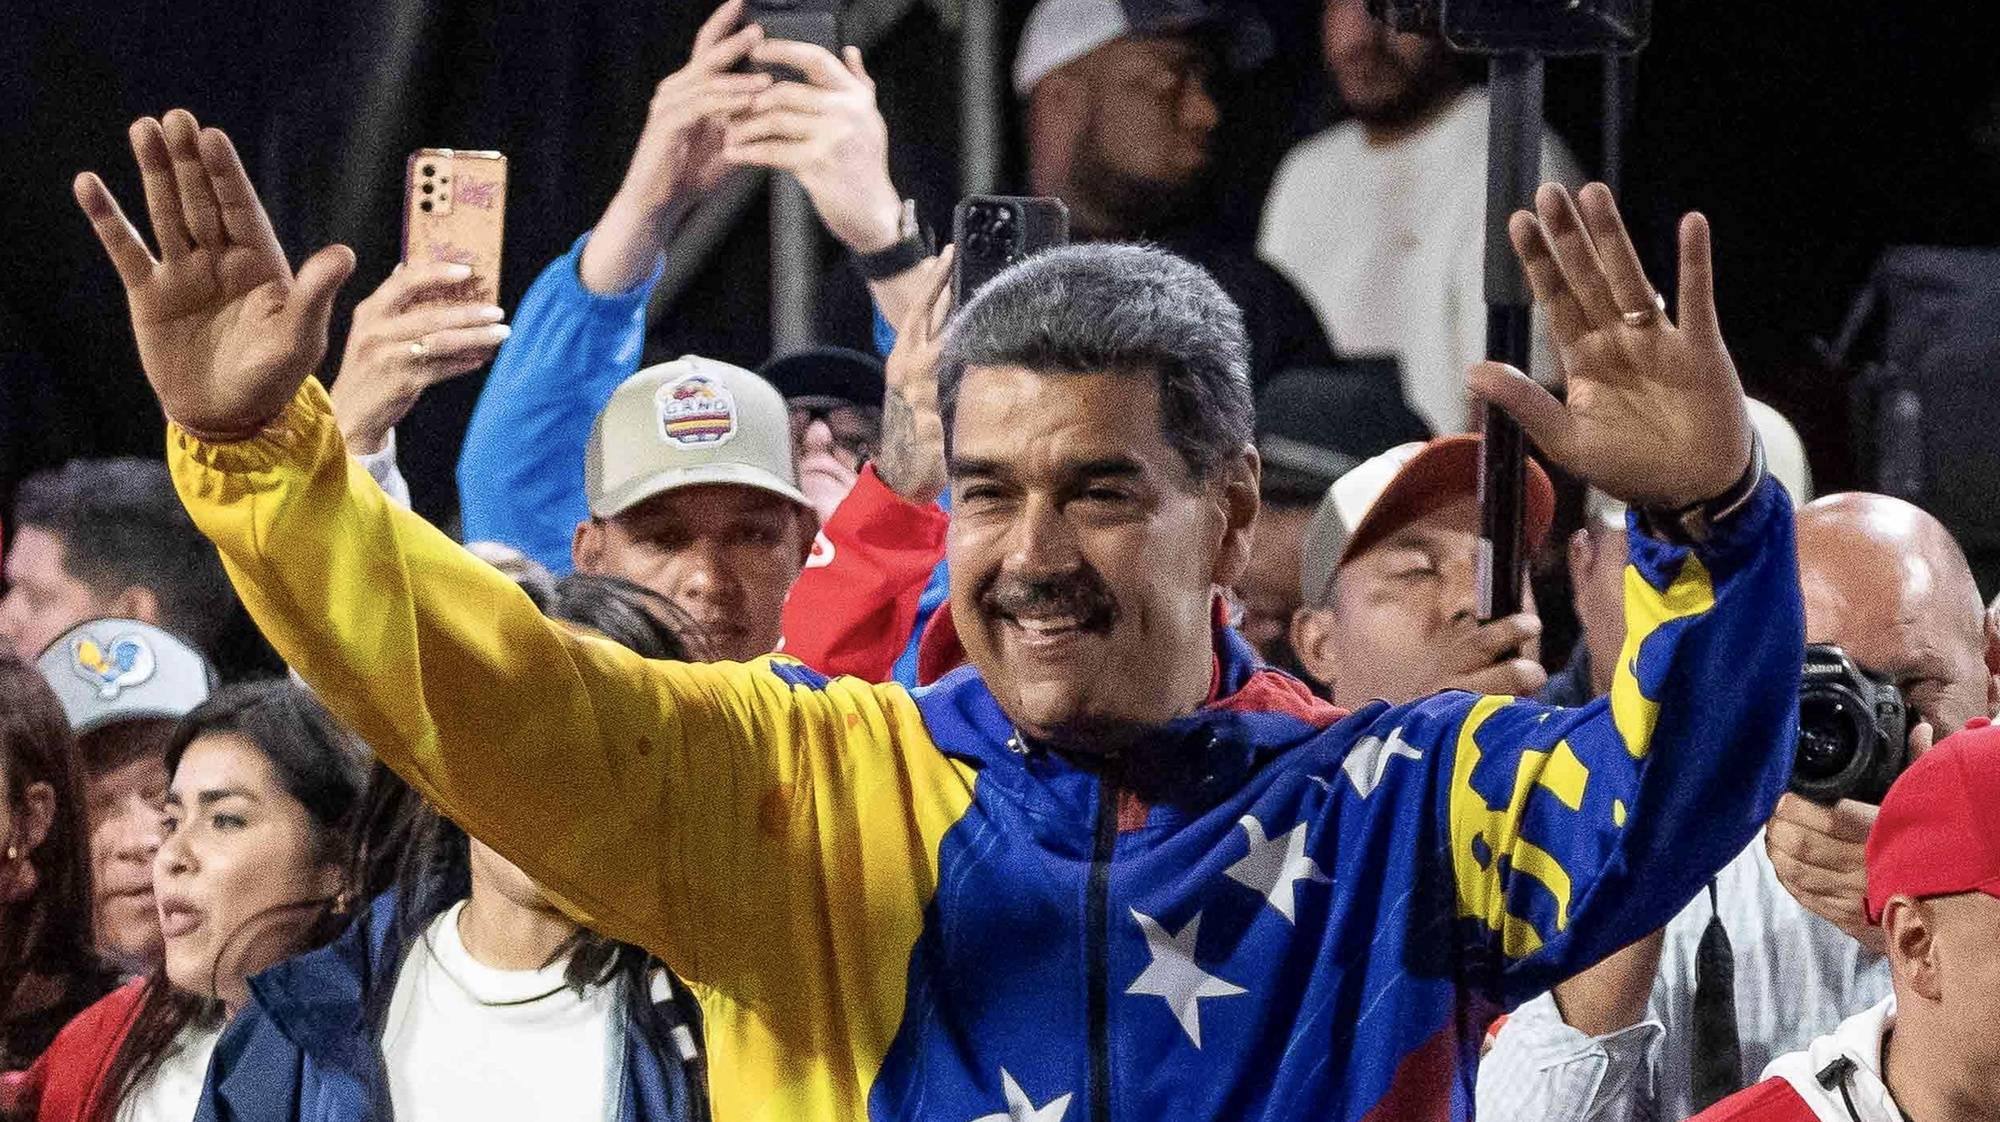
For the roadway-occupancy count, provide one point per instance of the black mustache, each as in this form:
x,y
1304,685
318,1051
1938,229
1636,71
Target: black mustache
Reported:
x,y
1081,594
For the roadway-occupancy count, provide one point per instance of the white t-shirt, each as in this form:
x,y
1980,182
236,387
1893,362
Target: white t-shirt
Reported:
x,y
1389,245
454,1050
173,1091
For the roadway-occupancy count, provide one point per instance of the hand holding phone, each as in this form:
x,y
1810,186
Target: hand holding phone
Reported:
x,y
994,231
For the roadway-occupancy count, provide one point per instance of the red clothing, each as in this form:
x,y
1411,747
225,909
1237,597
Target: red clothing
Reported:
x,y
855,604
1773,1100
65,1081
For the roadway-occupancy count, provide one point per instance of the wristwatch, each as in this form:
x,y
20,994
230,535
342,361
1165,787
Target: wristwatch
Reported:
x,y
910,249
1696,523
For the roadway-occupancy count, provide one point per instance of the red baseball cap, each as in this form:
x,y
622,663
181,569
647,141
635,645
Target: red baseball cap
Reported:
x,y
1938,833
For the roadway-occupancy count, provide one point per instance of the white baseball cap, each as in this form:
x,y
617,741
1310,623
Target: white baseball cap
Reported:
x,y
106,671
686,423
1059,32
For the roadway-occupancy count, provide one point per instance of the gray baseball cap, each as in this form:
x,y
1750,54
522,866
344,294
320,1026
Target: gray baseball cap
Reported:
x,y
686,423
106,671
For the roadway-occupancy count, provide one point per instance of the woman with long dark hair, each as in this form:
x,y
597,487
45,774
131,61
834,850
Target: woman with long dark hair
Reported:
x,y
464,992
260,799
49,971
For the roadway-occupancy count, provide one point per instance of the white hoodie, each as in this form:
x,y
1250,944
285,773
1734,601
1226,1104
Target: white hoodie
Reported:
x,y
1859,1041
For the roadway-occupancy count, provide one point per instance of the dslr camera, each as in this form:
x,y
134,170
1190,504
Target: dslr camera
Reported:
x,y
1854,730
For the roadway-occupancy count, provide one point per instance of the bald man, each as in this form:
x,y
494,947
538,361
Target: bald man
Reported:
x,y
1661,1029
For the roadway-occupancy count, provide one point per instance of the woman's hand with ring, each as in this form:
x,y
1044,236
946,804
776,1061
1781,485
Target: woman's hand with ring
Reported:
x,y
415,331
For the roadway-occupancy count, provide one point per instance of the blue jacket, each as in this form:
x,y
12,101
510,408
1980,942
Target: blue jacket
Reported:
x,y
302,1050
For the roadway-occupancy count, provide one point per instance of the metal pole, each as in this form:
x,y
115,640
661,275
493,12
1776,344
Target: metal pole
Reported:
x,y
1618,74
1513,171
979,97
794,266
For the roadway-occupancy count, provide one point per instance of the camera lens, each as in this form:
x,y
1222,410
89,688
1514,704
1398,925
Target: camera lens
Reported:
x,y
427,188
1829,735
430,169
424,206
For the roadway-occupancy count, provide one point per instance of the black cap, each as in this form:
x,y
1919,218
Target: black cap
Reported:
x,y
828,372
1314,424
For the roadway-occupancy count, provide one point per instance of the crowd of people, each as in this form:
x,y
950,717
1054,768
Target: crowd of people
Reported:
x,y
1079,709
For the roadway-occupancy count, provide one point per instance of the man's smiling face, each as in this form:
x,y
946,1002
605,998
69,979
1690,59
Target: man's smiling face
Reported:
x,y
1083,553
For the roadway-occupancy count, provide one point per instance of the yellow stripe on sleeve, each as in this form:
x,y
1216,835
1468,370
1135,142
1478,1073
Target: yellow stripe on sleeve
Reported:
x,y
1647,610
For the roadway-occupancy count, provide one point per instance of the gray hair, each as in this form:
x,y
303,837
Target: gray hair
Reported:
x,y
1125,308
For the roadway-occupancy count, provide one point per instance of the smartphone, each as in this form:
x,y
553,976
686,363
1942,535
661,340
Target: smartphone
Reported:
x,y
455,209
994,231
802,21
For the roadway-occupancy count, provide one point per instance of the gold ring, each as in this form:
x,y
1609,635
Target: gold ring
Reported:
x,y
1645,316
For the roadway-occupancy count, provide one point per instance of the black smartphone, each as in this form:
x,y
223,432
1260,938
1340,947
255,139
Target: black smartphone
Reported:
x,y
802,21
994,231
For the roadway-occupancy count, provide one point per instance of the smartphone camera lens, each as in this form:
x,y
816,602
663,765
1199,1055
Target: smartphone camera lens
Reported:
x,y
427,188
430,169
424,206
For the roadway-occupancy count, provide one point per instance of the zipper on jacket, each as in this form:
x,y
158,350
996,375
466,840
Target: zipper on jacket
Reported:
x,y
1097,939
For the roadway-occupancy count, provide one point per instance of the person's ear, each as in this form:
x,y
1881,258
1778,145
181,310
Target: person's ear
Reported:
x,y
330,882
1238,501
1912,945
587,546
38,816
1582,558
805,527
136,602
1312,641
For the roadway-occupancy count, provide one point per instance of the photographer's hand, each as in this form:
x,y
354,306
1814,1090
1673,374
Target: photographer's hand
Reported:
x,y
413,332
679,155
1655,414
226,332
1818,852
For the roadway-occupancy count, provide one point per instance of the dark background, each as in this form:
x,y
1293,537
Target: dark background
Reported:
x,y
1812,134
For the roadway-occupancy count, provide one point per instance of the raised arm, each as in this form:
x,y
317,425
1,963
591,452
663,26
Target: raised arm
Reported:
x,y
1573,833
669,805
581,329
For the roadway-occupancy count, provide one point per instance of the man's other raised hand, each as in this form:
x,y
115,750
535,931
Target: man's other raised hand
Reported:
x,y
226,331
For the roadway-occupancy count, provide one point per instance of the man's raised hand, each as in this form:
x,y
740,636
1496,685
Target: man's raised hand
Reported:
x,y
1655,414
827,132
679,154
226,332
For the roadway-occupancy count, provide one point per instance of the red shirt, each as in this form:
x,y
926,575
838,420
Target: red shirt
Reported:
x,y
1773,1100
66,1081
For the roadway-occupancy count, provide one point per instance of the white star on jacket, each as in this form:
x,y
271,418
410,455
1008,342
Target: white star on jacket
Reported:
x,y
1370,756
1274,866
1173,975
1021,1109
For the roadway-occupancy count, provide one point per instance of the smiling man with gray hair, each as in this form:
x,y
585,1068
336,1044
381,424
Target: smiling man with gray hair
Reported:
x,y
1114,868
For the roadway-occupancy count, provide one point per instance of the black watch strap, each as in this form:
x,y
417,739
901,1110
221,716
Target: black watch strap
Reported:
x,y
882,264
909,250
1693,525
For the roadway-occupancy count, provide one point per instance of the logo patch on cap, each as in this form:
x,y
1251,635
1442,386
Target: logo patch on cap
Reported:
x,y
124,662
696,411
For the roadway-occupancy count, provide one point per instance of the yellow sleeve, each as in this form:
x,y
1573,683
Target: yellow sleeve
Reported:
x,y
711,813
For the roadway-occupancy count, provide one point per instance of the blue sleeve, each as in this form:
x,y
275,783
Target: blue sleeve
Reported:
x,y
1573,832
520,471
885,332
